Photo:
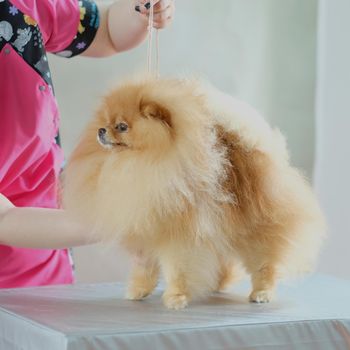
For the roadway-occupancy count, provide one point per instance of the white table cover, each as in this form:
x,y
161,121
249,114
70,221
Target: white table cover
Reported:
x,y
311,314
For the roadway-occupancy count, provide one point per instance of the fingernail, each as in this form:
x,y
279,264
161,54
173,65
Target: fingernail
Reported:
x,y
137,8
147,5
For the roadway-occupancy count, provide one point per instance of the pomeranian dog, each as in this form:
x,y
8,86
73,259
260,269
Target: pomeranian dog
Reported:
x,y
193,182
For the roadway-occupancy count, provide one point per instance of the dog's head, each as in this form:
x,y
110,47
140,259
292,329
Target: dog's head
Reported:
x,y
131,118
148,116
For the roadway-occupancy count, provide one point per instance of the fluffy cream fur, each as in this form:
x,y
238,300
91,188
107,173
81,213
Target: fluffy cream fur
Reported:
x,y
197,184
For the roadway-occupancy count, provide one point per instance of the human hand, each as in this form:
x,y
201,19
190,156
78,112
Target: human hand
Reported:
x,y
163,11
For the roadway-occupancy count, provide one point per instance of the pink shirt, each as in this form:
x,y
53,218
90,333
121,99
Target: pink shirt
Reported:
x,y
30,158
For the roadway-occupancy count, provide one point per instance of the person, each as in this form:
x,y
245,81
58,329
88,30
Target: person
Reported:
x,y
34,232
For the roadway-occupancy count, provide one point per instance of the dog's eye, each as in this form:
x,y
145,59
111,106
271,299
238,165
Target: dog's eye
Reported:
x,y
122,127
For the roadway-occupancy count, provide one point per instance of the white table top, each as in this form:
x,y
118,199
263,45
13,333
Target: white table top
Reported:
x,y
310,314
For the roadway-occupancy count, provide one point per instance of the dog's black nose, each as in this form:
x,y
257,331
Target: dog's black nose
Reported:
x,y
102,131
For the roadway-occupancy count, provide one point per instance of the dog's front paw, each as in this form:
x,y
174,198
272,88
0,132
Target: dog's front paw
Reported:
x,y
137,293
175,301
260,296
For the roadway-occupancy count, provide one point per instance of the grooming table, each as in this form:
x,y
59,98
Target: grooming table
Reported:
x,y
311,314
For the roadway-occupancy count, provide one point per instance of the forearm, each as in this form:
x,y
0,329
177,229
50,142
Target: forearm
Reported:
x,y
42,229
121,28
127,28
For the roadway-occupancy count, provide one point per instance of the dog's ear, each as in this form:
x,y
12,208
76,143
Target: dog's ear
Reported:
x,y
154,110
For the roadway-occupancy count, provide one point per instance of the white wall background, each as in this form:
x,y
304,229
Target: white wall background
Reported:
x,y
260,50
332,173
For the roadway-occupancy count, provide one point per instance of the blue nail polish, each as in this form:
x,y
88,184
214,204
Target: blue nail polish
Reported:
x,y
137,8
147,5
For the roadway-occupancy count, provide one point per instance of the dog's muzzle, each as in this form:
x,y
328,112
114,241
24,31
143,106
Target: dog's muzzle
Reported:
x,y
102,139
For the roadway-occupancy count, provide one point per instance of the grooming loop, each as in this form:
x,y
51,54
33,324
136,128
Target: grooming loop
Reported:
x,y
150,43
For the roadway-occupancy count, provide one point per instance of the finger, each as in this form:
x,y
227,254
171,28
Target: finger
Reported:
x,y
162,5
164,16
143,2
158,6
145,5
163,24
160,17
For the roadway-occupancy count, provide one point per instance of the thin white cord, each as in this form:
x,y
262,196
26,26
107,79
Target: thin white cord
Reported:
x,y
150,43
157,53
150,38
